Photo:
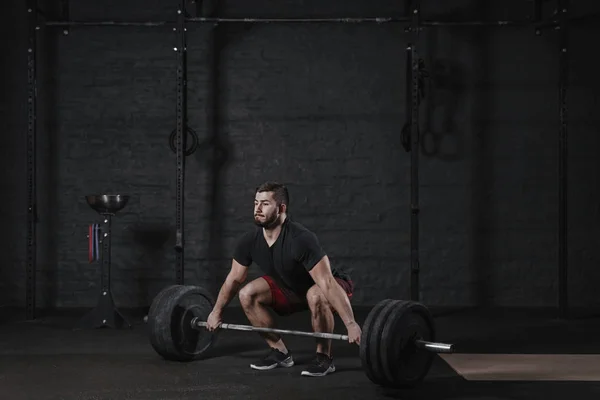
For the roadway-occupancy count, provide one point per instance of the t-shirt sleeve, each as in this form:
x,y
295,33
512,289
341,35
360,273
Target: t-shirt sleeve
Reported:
x,y
242,252
307,250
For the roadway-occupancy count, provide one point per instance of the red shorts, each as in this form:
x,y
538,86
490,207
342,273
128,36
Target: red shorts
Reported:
x,y
286,302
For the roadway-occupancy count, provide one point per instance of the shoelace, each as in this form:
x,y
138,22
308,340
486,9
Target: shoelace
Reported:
x,y
320,361
272,355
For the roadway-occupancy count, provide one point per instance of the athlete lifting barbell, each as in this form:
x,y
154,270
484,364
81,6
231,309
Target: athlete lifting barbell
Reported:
x,y
396,340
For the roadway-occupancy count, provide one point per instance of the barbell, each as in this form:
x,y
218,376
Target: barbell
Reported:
x,y
396,350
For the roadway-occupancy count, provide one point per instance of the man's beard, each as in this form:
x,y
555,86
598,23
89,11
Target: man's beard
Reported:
x,y
267,223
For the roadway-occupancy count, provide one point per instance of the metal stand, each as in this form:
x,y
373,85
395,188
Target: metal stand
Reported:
x,y
105,314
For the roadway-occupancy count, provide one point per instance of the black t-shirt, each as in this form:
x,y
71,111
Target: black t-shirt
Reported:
x,y
288,260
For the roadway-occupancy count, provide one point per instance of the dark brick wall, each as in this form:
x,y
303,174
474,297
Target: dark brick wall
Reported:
x,y
13,114
319,107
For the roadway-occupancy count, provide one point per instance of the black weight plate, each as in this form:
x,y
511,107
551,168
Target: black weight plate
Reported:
x,y
405,363
169,322
190,341
376,346
365,339
388,340
156,340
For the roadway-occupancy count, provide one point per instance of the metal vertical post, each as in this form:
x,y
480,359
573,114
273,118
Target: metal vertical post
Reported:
x,y
180,140
30,287
563,261
415,10
106,255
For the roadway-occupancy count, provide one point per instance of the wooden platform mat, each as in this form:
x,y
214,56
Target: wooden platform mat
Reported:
x,y
526,367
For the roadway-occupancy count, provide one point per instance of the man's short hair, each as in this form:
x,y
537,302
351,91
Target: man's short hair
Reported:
x,y
280,192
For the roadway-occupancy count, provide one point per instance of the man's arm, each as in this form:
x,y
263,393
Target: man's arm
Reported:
x,y
242,258
321,274
236,277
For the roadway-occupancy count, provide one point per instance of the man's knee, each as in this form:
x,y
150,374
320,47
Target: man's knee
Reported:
x,y
254,292
247,296
316,299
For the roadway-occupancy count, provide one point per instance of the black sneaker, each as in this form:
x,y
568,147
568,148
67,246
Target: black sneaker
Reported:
x,y
274,359
321,366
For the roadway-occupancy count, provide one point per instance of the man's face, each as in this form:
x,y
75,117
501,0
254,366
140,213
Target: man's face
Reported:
x,y
266,211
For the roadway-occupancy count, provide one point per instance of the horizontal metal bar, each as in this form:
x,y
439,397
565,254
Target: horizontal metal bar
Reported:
x,y
523,23
376,20
435,347
342,20
107,23
349,20
422,344
235,327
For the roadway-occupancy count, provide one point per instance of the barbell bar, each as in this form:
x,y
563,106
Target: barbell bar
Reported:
x,y
397,345
422,344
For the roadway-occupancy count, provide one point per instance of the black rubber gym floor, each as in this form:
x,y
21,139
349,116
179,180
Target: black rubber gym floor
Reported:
x,y
47,359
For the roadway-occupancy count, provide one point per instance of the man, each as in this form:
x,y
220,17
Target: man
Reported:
x,y
297,276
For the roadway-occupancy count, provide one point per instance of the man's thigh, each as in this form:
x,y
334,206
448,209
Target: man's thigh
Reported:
x,y
258,290
346,285
284,301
